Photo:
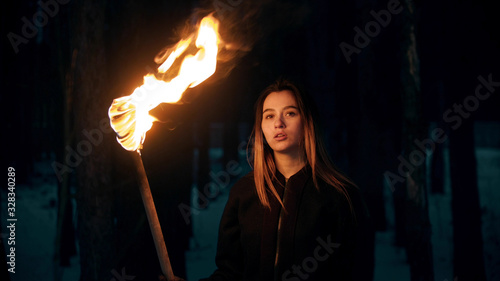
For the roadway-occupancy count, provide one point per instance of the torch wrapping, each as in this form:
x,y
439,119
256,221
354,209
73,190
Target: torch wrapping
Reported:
x,y
154,223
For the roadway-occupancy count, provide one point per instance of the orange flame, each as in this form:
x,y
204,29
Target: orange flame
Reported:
x,y
129,115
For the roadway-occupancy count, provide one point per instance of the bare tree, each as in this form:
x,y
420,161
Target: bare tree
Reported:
x,y
417,224
465,59
90,103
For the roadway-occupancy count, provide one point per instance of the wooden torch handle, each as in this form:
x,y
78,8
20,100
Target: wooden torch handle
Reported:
x,y
154,223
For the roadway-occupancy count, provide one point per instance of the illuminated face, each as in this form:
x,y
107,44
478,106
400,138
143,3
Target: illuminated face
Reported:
x,y
282,123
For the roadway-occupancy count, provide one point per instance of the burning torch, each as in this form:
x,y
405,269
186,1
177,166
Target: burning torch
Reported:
x,y
130,118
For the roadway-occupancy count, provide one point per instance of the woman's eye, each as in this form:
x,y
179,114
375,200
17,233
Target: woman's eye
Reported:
x,y
291,114
268,116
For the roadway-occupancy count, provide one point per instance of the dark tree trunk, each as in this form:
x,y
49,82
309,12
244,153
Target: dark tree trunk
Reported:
x,y
466,59
437,169
90,103
367,116
468,261
231,140
418,229
65,244
203,144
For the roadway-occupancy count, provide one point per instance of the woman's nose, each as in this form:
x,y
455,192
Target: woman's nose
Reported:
x,y
279,123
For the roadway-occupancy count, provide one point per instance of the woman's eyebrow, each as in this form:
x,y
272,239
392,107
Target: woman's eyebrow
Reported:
x,y
284,108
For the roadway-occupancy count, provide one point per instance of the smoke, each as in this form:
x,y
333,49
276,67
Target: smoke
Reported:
x,y
243,23
248,23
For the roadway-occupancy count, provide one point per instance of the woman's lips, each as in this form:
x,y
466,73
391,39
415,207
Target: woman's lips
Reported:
x,y
280,136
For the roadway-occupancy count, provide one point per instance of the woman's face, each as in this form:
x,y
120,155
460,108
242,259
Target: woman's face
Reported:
x,y
282,123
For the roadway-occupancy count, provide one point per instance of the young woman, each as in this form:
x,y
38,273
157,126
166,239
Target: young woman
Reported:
x,y
294,217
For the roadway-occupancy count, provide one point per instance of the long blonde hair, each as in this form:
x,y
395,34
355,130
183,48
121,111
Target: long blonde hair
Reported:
x,y
313,147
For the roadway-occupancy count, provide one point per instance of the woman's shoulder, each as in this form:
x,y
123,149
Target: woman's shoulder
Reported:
x,y
339,190
245,180
244,185
346,194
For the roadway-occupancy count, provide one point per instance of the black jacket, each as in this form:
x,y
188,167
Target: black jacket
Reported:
x,y
316,237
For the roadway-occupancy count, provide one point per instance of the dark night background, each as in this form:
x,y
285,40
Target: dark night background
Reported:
x,y
80,216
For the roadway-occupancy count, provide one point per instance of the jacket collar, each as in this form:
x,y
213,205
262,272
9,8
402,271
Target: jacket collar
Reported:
x,y
300,176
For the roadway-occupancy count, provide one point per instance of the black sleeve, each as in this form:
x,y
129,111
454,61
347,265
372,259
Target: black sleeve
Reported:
x,y
364,250
229,258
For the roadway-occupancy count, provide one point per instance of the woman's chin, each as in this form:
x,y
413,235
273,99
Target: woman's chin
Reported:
x,y
285,149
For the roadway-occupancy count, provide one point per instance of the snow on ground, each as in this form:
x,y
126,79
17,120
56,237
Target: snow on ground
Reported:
x,y
201,257
489,196
36,213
